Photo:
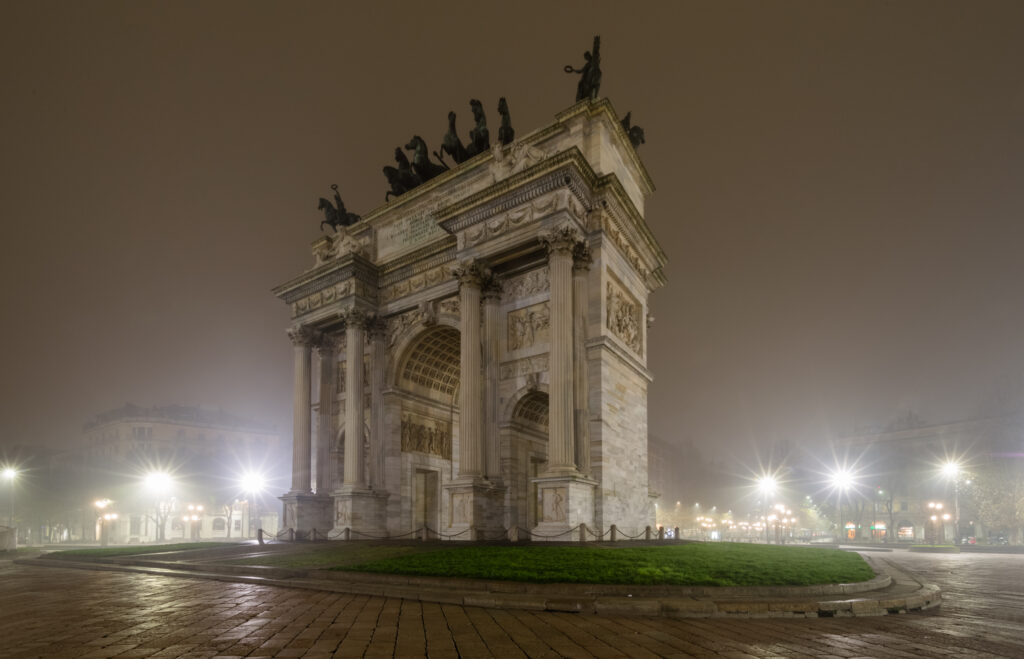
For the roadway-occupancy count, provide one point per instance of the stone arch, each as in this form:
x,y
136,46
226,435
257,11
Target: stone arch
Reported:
x,y
430,364
508,414
398,347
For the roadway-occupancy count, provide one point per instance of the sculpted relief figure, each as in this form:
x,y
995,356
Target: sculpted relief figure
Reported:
x,y
528,326
623,317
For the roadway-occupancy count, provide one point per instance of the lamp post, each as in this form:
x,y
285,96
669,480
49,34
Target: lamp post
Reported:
x,y
10,473
842,479
253,483
952,470
937,514
160,484
766,485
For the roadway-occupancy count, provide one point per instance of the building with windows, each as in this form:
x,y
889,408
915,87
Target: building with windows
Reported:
x,y
138,472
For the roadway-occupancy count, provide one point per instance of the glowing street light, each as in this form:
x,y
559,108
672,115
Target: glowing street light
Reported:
x,y
951,470
10,474
842,479
253,484
766,486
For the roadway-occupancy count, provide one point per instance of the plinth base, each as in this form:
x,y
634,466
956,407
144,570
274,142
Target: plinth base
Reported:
x,y
566,501
306,512
475,510
363,512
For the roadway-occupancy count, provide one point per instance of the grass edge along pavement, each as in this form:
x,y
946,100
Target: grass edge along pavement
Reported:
x,y
133,550
891,591
696,564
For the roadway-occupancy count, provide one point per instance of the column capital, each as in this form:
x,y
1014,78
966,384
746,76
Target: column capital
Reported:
x,y
325,344
562,240
301,335
491,288
581,257
471,273
376,327
354,318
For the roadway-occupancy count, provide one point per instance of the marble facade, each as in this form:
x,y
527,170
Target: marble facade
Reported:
x,y
483,340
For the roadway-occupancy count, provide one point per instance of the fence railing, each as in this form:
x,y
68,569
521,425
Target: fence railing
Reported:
x,y
579,533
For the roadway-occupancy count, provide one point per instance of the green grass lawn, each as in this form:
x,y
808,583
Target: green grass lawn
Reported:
x,y
131,550
723,564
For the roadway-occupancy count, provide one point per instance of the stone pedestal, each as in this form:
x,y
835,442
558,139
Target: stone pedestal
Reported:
x,y
305,512
475,510
363,511
565,503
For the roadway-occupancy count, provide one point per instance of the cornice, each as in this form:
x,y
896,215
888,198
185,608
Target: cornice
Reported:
x,y
566,169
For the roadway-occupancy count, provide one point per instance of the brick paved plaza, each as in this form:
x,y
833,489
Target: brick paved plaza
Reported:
x,y
51,612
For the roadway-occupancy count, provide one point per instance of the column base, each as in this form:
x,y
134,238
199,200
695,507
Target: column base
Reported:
x,y
475,510
304,512
565,503
362,511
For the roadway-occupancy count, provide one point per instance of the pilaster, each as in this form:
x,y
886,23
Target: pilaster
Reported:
x,y
581,390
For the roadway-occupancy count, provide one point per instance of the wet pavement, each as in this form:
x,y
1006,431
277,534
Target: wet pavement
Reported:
x,y
58,612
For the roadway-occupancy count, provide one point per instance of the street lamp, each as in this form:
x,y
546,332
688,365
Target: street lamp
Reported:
x,y
159,484
842,479
10,473
766,485
253,483
952,470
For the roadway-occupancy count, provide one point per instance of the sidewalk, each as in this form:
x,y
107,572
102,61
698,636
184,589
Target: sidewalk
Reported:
x,y
892,591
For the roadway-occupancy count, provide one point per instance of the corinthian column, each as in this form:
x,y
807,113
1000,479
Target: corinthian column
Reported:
x,y
325,350
561,458
580,270
355,329
379,348
492,296
301,338
471,449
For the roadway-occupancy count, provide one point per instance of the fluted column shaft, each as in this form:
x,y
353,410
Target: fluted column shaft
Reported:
x,y
301,338
354,452
379,348
325,422
471,449
561,456
492,297
580,271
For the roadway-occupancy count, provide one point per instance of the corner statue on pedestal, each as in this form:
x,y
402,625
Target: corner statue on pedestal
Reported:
x,y
590,73
336,216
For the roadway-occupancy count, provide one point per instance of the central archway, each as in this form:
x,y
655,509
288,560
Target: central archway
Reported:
x,y
426,383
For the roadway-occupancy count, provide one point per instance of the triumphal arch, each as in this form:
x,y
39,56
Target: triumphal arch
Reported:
x,y
471,357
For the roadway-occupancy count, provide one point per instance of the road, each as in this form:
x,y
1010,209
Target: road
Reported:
x,y
49,612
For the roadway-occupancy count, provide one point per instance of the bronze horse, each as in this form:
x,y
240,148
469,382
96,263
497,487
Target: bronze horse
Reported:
x,y
421,164
479,137
505,132
336,217
451,144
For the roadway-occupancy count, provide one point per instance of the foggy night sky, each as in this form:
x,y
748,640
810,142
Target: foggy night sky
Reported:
x,y
839,192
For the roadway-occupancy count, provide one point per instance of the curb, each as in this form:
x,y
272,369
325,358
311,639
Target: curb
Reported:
x,y
891,592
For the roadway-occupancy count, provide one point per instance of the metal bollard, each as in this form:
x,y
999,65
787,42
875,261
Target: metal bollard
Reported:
x,y
661,533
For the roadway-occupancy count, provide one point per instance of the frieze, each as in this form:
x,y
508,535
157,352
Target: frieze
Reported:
x,y
526,285
529,325
622,241
514,159
425,435
321,298
522,367
417,282
624,317
524,214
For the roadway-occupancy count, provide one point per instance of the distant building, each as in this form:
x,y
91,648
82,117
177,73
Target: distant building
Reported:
x,y
905,462
205,452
